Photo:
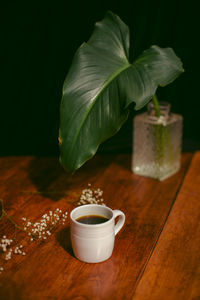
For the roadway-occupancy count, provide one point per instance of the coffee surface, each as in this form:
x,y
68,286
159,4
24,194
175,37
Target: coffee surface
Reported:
x,y
92,219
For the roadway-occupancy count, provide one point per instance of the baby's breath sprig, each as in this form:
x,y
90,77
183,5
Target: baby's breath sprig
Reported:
x,y
42,229
91,196
34,230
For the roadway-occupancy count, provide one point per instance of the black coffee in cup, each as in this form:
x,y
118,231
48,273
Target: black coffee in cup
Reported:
x,y
92,219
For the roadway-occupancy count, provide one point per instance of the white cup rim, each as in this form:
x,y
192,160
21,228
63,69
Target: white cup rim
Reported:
x,y
91,225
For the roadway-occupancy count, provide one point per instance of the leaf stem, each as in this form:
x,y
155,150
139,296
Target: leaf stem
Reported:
x,y
156,106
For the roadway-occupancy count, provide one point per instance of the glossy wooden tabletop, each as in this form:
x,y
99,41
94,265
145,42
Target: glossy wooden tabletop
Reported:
x,y
156,254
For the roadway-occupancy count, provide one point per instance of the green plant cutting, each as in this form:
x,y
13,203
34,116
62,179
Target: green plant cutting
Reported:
x,y
102,83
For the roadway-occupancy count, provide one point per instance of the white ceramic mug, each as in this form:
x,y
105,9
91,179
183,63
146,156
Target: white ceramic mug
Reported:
x,y
93,243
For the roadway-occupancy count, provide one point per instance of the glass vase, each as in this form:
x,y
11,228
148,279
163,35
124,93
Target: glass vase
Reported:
x,y
157,142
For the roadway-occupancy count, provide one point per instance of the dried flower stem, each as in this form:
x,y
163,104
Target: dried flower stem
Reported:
x,y
5,214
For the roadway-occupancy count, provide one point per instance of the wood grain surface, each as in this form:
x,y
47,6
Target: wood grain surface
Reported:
x,y
173,271
31,186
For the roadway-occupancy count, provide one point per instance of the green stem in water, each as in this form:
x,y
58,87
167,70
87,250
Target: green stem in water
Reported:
x,y
156,106
159,134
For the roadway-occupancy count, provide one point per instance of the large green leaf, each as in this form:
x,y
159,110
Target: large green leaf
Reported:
x,y
101,84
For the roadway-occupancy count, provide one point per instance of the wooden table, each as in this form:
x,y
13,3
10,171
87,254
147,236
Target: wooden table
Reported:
x,y
156,254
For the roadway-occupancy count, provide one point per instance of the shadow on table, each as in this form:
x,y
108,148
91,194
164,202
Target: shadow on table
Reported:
x,y
45,174
51,180
9,290
63,237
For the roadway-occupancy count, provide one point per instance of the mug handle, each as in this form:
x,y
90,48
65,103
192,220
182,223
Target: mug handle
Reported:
x,y
120,223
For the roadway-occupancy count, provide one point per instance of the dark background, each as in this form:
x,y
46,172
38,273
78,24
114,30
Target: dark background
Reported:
x,y
39,40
